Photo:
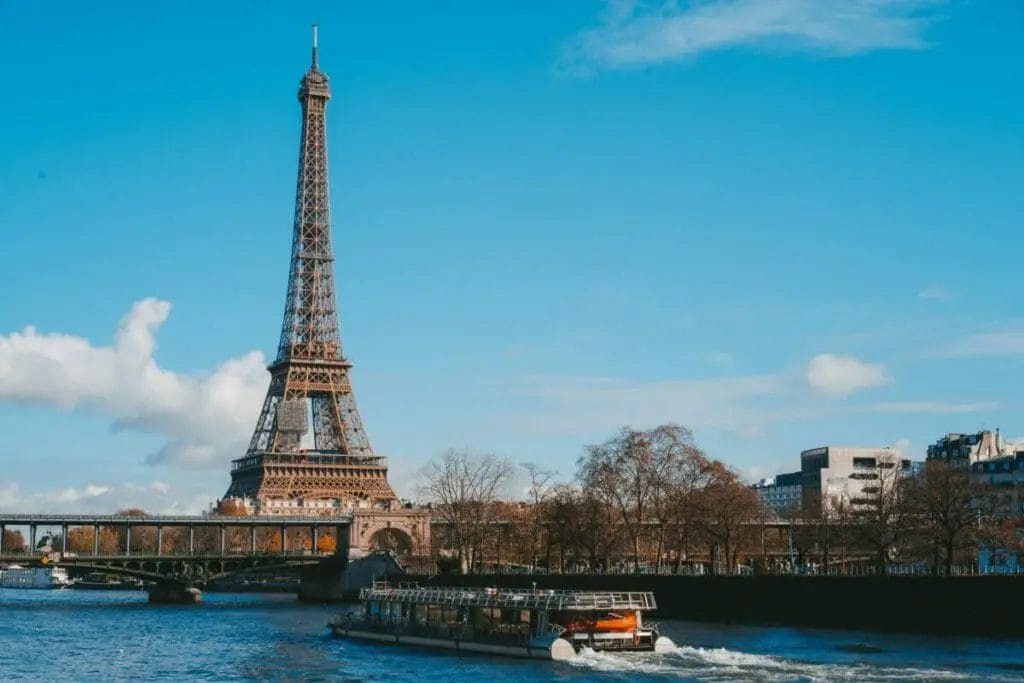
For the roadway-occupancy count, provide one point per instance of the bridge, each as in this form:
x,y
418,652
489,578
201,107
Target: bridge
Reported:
x,y
178,554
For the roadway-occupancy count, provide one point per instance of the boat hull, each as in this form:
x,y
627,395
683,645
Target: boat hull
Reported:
x,y
90,586
37,578
557,649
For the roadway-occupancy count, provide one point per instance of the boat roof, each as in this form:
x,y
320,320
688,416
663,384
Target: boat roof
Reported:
x,y
517,598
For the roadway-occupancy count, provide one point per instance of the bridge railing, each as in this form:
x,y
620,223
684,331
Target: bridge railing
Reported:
x,y
10,519
192,534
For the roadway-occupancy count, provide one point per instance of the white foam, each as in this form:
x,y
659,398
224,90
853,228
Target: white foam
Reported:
x,y
720,664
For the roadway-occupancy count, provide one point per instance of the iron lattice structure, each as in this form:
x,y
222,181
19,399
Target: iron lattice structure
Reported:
x,y
310,389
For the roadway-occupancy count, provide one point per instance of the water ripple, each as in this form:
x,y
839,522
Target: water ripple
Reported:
x,y
99,636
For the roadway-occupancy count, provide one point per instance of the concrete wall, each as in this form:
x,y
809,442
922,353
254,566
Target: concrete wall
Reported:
x,y
958,605
339,579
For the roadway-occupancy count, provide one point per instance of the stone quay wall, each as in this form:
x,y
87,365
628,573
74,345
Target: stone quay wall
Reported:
x,y
970,605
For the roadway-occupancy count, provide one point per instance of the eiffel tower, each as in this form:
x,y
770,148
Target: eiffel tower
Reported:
x,y
309,453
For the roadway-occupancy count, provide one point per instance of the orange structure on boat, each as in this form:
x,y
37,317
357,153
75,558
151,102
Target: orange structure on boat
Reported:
x,y
611,623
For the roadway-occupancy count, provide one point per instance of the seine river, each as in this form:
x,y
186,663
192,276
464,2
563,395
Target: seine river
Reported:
x,y
106,636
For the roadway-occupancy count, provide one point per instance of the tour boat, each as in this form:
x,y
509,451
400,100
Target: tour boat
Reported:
x,y
541,624
108,582
15,576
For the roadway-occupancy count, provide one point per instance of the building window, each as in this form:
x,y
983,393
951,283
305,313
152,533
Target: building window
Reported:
x,y
864,462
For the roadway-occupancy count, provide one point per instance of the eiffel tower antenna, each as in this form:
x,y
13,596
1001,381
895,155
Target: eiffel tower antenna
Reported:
x,y
309,448
316,31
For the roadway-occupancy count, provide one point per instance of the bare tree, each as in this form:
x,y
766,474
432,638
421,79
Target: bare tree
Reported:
x,y
540,485
727,508
880,518
945,503
677,468
619,473
634,474
465,489
602,532
685,502
829,526
563,513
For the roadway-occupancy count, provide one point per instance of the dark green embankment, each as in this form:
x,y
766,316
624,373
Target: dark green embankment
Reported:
x,y
977,605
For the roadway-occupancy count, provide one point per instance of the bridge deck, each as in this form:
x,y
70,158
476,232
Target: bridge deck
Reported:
x,y
9,519
88,558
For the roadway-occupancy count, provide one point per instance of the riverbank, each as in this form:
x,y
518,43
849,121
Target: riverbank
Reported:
x,y
975,605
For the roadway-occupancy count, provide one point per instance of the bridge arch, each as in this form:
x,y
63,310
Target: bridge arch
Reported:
x,y
392,538
404,530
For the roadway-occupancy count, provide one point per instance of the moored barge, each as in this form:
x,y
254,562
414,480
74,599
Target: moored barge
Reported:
x,y
540,624
16,576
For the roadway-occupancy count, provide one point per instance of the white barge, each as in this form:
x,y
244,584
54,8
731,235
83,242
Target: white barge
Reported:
x,y
16,576
540,624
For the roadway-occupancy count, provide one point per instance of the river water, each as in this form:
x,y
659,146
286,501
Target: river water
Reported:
x,y
108,636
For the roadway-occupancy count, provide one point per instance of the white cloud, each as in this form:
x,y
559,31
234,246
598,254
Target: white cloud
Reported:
x,y
1001,343
205,418
155,497
833,375
637,33
742,406
932,407
936,293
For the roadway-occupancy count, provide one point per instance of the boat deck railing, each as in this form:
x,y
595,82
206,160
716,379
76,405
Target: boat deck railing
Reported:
x,y
514,598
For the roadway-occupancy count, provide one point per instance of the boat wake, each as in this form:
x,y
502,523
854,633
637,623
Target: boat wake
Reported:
x,y
710,664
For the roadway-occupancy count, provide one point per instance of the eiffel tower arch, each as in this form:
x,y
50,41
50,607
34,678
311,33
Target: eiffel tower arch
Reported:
x,y
309,453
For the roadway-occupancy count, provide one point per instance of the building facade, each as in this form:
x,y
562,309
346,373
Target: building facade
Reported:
x,y
854,475
781,495
1002,480
963,451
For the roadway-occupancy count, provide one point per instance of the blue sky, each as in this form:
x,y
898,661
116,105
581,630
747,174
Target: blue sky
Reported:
x,y
783,223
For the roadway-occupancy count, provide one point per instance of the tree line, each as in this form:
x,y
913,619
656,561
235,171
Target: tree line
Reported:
x,y
643,497
654,500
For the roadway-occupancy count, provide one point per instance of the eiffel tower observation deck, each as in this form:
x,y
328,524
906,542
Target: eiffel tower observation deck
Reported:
x,y
309,453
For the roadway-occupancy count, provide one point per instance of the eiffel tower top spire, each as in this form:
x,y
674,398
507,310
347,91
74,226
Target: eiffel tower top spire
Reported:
x,y
316,32
314,83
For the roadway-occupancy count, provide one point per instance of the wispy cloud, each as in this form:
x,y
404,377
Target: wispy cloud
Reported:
x,y
744,407
205,418
637,33
932,407
935,292
102,498
998,343
832,375
740,405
